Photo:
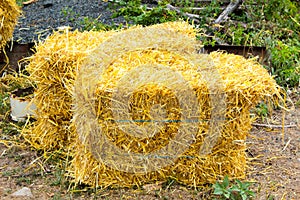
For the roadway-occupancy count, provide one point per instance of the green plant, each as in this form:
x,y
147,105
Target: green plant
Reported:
x,y
20,2
57,196
285,58
238,191
89,23
135,12
69,14
4,103
262,110
271,23
280,20
59,177
26,180
297,104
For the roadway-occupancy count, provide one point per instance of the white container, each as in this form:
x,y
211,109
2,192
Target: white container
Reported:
x,y
21,107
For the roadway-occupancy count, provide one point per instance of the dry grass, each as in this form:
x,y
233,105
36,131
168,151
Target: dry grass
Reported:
x,y
9,14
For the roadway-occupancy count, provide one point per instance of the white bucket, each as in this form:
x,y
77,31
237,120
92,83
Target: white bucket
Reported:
x,y
21,107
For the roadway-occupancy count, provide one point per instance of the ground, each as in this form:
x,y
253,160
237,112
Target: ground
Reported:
x,y
274,168
274,152
41,18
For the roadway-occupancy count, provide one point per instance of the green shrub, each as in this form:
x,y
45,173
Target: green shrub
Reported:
x,y
271,23
238,191
285,62
137,13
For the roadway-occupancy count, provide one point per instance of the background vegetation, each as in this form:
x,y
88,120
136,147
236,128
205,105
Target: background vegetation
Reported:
x,y
271,23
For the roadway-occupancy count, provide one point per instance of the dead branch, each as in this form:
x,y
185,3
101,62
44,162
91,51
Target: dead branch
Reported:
x,y
274,126
228,10
189,15
29,2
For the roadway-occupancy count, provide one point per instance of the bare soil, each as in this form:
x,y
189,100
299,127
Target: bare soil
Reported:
x,y
276,164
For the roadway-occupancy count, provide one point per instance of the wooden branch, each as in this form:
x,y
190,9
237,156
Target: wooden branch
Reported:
x,y
29,2
169,6
224,1
200,8
228,10
192,16
274,126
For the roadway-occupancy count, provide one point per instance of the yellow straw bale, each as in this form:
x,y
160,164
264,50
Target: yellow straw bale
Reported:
x,y
9,14
95,63
53,68
245,83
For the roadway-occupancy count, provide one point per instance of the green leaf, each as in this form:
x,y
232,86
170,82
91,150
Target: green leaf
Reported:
x,y
244,196
225,182
218,191
227,194
251,193
235,188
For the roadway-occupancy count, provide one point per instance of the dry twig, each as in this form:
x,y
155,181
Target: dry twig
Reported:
x,y
228,10
274,126
186,14
29,2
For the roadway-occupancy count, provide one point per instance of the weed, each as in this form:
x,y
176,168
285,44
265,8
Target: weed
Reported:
x,y
297,104
271,197
12,172
59,178
238,191
285,58
89,23
26,180
136,13
271,23
69,14
11,129
57,196
20,2
4,103
262,110
169,183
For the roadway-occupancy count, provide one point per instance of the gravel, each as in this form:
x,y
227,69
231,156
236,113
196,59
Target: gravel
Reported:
x,y
41,18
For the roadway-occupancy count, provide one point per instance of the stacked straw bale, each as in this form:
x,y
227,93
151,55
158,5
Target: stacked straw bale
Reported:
x,y
246,83
55,68
9,14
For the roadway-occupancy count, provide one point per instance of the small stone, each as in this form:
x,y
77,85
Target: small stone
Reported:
x,y
25,192
153,187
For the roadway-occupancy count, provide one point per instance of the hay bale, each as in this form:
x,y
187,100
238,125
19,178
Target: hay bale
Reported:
x,y
9,14
170,50
53,68
246,83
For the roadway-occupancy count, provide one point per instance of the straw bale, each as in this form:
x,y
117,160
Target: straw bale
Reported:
x,y
9,14
70,59
245,84
53,69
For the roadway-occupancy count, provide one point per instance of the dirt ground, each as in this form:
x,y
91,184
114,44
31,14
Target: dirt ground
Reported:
x,y
274,168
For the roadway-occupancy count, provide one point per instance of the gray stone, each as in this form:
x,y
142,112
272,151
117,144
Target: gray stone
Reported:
x,y
23,192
